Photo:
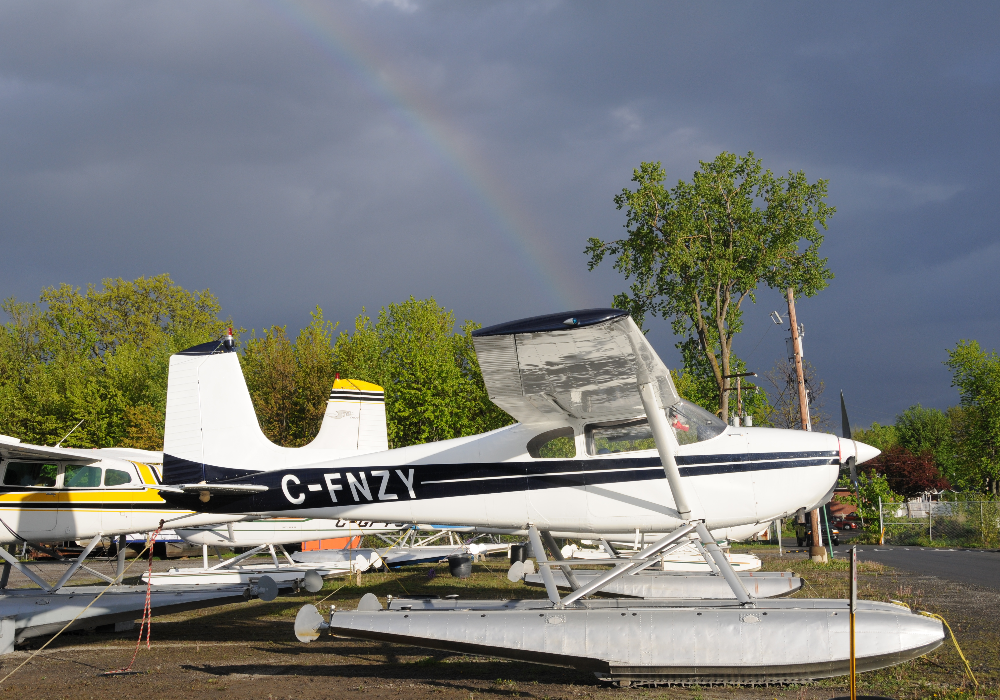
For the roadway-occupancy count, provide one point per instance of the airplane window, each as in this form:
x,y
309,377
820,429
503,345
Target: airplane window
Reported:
x,y
116,477
692,423
82,477
554,444
30,474
630,436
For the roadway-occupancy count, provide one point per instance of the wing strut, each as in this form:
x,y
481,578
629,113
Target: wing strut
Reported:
x,y
665,446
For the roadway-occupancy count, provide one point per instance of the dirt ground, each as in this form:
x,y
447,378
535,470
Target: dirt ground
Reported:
x,y
248,650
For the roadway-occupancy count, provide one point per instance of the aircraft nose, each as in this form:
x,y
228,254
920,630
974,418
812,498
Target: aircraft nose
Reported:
x,y
866,452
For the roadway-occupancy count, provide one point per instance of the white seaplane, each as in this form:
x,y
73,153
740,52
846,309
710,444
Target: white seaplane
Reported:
x,y
604,444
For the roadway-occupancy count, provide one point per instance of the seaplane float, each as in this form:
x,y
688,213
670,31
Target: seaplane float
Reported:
x,y
603,444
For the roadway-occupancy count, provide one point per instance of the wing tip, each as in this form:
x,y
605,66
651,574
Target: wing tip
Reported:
x,y
562,321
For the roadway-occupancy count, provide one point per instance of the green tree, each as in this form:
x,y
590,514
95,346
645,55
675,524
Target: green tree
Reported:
x,y
434,388
921,430
289,382
881,437
872,487
976,373
696,252
100,356
696,383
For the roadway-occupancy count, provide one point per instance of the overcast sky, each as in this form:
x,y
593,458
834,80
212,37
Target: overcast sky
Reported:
x,y
286,154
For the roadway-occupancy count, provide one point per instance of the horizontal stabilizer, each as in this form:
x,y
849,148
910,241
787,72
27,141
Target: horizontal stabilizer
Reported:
x,y
218,489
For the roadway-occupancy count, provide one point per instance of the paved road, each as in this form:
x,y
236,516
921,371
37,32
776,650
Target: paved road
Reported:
x,y
976,566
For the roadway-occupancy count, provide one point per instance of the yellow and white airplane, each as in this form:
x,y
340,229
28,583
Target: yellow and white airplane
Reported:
x,y
55,494
58,494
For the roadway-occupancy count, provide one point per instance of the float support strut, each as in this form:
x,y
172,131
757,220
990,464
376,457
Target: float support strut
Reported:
x,y
539,551
550,542
78,562
10,560
120,568
725,567
638,561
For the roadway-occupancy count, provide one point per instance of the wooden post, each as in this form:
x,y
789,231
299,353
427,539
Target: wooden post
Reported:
x,y
854,609
739,399
816,552
799,374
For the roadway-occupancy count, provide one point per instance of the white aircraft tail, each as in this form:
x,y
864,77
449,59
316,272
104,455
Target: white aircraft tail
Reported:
x,y
212,432
211,426
354,418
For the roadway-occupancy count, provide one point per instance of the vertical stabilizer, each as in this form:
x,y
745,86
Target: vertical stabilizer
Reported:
x,y
210,422
354,418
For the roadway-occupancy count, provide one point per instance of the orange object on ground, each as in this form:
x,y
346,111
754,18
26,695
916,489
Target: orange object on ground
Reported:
x,y
335,543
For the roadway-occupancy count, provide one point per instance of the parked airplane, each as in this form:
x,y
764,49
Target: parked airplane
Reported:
x,y
56,494
572,387
604,444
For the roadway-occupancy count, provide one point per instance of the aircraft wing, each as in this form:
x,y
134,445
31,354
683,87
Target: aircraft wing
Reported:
x,y
576,365
13,448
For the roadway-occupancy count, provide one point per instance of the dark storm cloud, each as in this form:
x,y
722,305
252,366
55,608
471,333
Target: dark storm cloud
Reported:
x,y
289,154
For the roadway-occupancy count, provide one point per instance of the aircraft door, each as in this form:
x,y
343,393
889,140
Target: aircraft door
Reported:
x,y
555,480
625,484
80,502
121,493
30,501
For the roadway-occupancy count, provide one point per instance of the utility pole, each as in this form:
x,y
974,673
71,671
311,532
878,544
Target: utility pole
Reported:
x,y
817,551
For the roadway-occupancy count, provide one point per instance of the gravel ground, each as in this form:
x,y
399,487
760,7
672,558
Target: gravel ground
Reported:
x,y
248,649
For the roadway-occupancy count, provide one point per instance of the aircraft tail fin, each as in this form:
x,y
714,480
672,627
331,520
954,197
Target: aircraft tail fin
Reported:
x,y
354,418
211,428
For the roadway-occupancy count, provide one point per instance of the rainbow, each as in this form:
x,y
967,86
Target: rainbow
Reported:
x,y
330,36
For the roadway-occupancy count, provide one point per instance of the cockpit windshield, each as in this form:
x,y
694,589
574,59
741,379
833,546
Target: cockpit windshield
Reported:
x,y
692,423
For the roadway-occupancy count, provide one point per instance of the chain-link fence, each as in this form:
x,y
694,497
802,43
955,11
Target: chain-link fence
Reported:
x,y
941,523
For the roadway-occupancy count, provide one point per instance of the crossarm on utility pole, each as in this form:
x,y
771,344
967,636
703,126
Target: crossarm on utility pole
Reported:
x,y
665,447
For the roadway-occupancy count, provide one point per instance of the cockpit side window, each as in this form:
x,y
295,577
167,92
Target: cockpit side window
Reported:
x,y
30,474
553,444
117,477
626,436
82,477
690,423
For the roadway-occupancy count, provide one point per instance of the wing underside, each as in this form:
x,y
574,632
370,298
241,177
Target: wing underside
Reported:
x,y
12,448
584,365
